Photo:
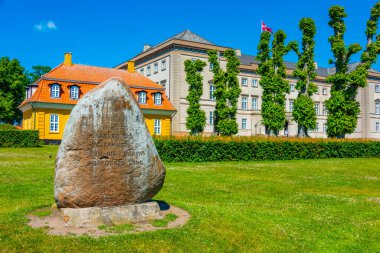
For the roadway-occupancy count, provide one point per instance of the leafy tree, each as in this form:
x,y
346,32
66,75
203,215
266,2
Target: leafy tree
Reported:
x,y
196,118
303,111
227,92
342,106
13,81
272,70
38,71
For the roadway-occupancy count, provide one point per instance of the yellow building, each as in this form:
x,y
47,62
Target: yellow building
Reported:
x,y
51,98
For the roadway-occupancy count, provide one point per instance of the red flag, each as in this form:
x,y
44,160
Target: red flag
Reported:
x,y
265,28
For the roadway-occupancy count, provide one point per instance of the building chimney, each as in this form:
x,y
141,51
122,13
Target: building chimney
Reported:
x,y
238,52
146,47
131,66
68,59
316,65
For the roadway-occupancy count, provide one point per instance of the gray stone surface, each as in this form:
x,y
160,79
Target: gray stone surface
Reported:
x,y
107,156
93,216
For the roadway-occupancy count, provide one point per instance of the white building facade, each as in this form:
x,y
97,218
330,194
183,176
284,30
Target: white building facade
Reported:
x,y
164,64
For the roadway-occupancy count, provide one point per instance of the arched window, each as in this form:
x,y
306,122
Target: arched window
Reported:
x,y
54,123
142,97
74,92
157,98
55,90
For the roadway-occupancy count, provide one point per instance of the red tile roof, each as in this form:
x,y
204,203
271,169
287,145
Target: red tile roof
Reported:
x,y
87,78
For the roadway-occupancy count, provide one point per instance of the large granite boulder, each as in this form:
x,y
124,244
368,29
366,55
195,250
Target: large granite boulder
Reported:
x,y
107,156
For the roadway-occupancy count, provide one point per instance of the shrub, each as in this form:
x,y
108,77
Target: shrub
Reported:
x,y
203,149
7,127
17,138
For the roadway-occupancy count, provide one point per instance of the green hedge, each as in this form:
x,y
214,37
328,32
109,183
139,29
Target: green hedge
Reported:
x,y
248,149
19,138
7,127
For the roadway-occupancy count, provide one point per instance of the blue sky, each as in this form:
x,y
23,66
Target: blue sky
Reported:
x,y
106,33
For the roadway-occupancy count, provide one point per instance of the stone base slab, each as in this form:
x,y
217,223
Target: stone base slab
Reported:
x,y
90,216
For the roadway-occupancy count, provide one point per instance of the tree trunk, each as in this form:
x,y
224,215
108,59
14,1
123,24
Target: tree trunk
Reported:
x,y
302,132
272,133
341,136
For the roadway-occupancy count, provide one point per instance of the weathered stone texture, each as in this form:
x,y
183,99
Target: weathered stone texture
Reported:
x,y
90,216
107,156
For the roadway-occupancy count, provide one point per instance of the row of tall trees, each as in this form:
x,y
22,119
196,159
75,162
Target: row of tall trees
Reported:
x,y
226,94
343,109
13,81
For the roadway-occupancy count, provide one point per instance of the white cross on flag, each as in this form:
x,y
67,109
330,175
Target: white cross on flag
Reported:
x,y
265,28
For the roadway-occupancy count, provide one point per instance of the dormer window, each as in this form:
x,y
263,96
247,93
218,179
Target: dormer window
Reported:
x,y
142,97
74,92
157,98
55,90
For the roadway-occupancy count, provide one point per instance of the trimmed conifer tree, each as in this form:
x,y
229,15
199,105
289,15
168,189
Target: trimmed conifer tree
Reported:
x,y
196,118
303,111
227,92
342,106
272,70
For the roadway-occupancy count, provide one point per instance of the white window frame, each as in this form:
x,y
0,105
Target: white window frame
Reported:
x,y
324,91
377,127
316,108
157,127
55,90
292,87
142,97
211,66
54,123
212,90
155,67
324,127
74,92
163,65
377,107
244,124
142,71
255,103
255,82
316,129
211,118
291,105
148,71
157,98
244,81
377,88
244,103
325,112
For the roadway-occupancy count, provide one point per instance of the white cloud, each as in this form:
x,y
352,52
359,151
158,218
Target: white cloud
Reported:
x,y
51,25
45,26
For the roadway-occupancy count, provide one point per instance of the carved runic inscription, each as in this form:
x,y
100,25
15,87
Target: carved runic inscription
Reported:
x,y
112,140
107,156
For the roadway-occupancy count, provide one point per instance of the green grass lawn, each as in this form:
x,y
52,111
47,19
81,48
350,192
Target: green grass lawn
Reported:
x,y
298,206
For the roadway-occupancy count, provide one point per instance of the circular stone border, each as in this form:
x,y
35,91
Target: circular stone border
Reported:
x,y
54,224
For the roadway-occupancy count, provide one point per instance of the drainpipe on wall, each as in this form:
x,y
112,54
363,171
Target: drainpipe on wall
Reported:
x,y
171,123
34,118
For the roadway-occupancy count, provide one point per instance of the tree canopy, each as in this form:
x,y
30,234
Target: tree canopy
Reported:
x,y
227,91
342,106
13,81
273,79
196,118
38,71
303,111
